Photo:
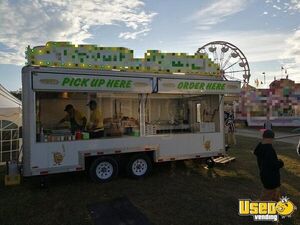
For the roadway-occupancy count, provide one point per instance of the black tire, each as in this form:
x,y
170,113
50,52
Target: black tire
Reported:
x,y
210,162
103,169
138,166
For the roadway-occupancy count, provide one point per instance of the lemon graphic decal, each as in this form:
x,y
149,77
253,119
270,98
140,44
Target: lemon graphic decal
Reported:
x,y
207,145
285,207
58,157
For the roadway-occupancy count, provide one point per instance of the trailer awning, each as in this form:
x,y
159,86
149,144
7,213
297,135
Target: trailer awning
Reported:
x,y
71,82
192,86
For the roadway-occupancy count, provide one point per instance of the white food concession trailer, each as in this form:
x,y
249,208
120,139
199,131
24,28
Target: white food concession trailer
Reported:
x,y
150,114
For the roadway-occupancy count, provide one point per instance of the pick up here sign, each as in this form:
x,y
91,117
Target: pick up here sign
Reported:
x,y
67,82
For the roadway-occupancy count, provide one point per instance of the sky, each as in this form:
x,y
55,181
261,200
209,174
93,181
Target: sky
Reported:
x,y
266,31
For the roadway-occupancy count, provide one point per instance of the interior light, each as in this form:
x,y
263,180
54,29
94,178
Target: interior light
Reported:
x,y
65,95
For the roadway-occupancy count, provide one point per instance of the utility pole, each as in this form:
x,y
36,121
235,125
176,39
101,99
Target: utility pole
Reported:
x,y
264,77
284,71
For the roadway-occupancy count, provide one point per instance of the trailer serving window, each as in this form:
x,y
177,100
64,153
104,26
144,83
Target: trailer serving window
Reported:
x,y
181,113
118,115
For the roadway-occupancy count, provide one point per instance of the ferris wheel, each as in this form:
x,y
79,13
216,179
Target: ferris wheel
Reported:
x,y
231,60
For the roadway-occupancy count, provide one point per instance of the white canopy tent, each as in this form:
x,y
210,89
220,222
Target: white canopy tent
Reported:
x,y
10,121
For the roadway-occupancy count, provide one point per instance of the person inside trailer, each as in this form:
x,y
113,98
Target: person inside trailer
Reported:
x,y
76,119
95,125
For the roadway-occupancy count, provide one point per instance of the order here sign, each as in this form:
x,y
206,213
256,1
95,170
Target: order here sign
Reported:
x,y
188,86
67,82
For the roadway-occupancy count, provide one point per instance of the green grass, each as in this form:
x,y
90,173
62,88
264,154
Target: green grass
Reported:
x,y
178,193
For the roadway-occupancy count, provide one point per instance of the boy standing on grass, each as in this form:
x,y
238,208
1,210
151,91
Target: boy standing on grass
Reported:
x,y
269,166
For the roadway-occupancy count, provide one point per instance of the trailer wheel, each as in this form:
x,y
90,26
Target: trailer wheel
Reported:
x,y
210,162
103,169
139,166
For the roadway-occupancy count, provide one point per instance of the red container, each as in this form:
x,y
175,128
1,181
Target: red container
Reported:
x,y
78,135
